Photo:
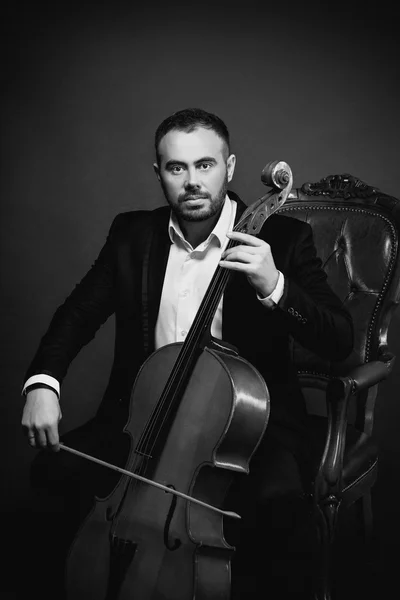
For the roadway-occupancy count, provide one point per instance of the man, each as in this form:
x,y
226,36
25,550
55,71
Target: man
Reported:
x,y
153,272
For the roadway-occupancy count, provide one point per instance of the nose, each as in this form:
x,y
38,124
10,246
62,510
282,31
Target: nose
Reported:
x,y
192,179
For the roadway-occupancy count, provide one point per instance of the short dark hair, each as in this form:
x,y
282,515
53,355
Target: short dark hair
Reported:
x,y
190,119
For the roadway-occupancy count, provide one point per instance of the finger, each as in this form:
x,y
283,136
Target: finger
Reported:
x,y
31,438
41,438
251,240
240,256
241,248
53,440
236,266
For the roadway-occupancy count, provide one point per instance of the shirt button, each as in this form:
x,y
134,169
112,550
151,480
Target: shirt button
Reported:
x,y
183,333
184,293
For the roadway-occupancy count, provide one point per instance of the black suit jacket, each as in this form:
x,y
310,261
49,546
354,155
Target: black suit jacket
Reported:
x,y
127,279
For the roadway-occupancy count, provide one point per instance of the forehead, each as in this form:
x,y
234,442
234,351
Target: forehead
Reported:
x,y
189,147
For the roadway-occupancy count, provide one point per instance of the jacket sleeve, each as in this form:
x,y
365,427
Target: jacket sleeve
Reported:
x,y
76,321
310,311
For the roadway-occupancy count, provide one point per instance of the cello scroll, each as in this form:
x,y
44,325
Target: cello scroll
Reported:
x,y
277,175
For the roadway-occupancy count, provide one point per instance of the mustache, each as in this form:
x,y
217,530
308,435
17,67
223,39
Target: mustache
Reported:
x,y
193,196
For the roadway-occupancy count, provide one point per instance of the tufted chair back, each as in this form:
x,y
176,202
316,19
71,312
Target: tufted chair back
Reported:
x,y
356,232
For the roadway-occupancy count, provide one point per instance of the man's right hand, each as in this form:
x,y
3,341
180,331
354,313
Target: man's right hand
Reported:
x,y
40,418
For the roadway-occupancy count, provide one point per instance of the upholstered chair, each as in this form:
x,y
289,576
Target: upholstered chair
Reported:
x,y
356,231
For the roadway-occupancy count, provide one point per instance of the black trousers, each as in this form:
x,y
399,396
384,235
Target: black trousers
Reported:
x,y
274,542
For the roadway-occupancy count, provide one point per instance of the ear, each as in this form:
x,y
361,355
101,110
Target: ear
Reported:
x,y
230,165
157,171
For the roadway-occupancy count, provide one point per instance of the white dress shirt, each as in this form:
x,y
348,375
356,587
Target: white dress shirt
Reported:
x,y
188,274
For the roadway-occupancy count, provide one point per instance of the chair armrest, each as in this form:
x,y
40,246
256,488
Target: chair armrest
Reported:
x,y
368,374
339,392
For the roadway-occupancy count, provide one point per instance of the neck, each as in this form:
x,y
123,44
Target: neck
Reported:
x,y
196,232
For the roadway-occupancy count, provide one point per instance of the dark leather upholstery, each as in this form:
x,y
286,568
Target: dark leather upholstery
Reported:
x,y
357,241
356,232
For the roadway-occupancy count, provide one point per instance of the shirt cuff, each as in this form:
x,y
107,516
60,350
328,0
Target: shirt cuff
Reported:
x,y
272,300
45,379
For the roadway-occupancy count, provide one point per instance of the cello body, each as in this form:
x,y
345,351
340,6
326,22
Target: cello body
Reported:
x,y
141,543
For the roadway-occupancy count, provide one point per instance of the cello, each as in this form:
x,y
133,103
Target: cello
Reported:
x,y
198,412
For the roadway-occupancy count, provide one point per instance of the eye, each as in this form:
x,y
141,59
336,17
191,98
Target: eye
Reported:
x,y
205,166
175,169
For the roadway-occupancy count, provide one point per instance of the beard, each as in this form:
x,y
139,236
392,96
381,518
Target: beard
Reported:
x,y
194,213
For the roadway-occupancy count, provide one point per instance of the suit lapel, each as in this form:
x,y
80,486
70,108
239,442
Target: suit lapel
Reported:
x,y
232,294
154,267
241,207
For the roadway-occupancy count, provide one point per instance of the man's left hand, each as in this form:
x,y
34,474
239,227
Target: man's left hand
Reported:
x,y
254,258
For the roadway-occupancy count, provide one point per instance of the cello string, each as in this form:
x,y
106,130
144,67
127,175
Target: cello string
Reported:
x,y
185,357
179,372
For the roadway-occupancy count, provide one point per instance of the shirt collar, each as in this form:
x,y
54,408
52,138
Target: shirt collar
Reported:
x,y
223,225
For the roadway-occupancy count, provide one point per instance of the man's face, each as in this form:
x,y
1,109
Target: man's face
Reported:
x,y
194,172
